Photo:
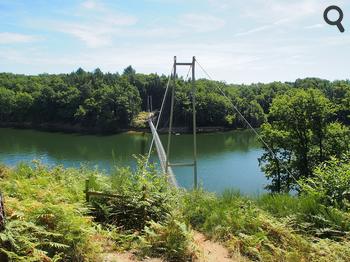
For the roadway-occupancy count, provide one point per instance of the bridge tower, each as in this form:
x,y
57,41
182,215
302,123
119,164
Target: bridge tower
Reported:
x,y
194,124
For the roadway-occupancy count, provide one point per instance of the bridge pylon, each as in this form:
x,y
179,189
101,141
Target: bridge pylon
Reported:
x,y
194,121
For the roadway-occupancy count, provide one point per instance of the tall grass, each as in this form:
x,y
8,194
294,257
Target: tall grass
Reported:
x,y
307,214
269,228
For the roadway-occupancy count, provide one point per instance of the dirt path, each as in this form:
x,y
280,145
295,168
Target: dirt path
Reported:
x,y
126,257
209,251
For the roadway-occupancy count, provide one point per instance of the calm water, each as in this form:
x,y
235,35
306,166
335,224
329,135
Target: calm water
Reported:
x,y
225,160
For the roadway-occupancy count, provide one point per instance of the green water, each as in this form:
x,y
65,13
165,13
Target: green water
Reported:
x,y
225,160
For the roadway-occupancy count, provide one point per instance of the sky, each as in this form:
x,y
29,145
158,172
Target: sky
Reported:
x,y
235,41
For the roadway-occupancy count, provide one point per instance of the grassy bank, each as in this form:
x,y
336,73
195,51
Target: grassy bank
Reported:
x,y
48,219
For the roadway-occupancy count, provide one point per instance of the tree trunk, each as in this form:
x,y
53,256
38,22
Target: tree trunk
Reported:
x,y
278,176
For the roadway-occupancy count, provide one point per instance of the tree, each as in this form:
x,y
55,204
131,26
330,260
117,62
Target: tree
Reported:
x,y
7,103
299,132
23,105
110,107
337,140
276,161
77,98
129,71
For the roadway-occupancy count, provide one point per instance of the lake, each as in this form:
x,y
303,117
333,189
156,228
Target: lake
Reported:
x,y
225,160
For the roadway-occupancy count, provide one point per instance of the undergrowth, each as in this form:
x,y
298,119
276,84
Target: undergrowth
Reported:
x,y
270,228
142,196
48,218
144,212
46,215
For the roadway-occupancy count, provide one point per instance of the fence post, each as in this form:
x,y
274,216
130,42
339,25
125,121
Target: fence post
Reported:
x,y
2,213
87,182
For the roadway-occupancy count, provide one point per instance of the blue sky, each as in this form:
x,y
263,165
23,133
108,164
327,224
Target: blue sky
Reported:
x,y
237,41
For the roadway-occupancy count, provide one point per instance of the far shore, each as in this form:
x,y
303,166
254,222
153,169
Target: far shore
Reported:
x,y
67,128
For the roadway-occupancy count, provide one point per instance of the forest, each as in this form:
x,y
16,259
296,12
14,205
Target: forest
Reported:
x,y
109,102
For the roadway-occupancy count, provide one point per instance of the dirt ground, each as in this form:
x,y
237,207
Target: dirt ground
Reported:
x,y
209,251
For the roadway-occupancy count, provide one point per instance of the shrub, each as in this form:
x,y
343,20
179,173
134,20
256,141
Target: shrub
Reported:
x,y
171,240
46,215
142,196
331,183
141,210
140,120
21,241
307,215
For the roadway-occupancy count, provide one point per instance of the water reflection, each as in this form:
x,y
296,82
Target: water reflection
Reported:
x,y
224,159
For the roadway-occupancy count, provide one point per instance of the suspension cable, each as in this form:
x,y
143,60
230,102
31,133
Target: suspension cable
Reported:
x,y
250,126
162,107
160,114
189,70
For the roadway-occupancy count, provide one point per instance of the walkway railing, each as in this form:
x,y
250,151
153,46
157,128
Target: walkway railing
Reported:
x,y
162,155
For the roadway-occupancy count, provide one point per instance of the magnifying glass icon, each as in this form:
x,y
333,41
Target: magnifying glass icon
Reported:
x,y
336,22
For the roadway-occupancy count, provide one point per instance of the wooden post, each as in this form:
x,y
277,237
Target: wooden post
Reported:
x,y
2,213
87,183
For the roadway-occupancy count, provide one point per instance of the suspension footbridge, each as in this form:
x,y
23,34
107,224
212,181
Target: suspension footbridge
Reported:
x,y
164,156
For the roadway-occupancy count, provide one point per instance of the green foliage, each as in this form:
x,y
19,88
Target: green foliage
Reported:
x,y
45,212
92,100
337,140
237,221
7,102
274,165
107,102
142,196
307,215
25,241
172,240
301,135
330,184
270,228
140,121
48,218
142,204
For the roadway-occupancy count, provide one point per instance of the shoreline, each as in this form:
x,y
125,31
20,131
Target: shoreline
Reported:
x,y
78,129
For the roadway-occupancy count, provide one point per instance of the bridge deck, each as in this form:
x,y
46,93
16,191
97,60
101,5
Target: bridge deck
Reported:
x,y
162,155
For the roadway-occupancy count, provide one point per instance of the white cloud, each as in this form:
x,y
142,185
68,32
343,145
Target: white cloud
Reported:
x,y
91,35
270,11
273,14
315,26
13,38
90,4
202,22
222,4
117,19
97,24
254,30
278,47
94,34
233,61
